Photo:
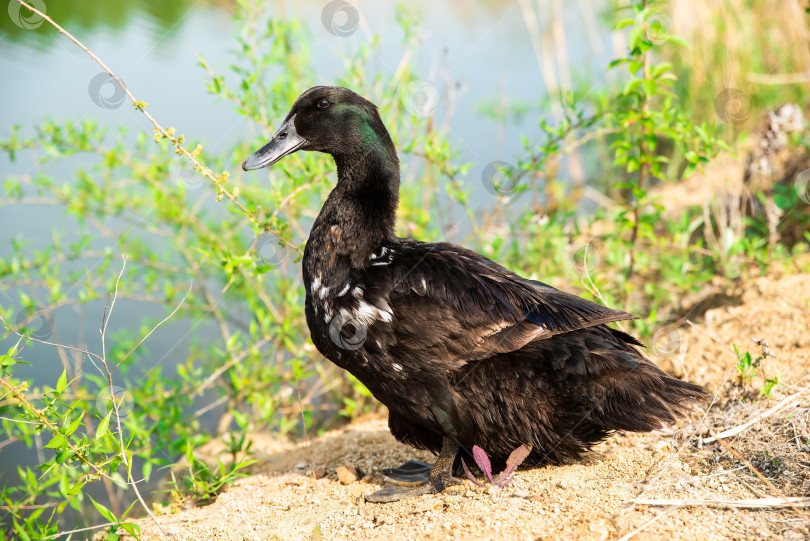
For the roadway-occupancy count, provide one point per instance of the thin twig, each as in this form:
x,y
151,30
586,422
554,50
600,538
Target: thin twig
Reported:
x,y
116,403
68,532
164,320
752,503
627,536
764,479
167,133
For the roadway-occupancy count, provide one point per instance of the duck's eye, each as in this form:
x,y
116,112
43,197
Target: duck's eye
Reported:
x,y
323,103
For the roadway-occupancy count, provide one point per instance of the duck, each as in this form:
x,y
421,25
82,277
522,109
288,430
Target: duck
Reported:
x,y
462,351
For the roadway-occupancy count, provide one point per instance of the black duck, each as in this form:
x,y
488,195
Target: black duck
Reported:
x,y
461,350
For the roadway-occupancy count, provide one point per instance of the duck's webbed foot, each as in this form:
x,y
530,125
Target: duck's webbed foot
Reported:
x,y
440,477
412,473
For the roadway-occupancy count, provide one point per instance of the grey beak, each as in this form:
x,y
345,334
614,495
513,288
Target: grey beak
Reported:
x,y
285,141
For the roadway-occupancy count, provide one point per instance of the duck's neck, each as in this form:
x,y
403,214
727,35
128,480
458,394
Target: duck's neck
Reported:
x,y
360,213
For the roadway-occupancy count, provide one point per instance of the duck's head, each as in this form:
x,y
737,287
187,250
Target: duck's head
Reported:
x,y
327,119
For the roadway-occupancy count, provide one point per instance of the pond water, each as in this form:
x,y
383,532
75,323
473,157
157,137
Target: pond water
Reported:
x,y
489,47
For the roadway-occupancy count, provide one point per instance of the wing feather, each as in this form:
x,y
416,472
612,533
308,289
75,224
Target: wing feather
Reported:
x,y
454,301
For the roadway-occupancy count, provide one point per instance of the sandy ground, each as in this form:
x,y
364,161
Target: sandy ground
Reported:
x,y
595,499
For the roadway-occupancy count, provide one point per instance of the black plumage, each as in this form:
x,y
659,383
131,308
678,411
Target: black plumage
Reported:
x,y
461,350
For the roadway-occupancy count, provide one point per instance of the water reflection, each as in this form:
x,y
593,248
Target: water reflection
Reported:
x,y
165,18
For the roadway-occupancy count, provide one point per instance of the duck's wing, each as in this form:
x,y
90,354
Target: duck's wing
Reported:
x,y
450,302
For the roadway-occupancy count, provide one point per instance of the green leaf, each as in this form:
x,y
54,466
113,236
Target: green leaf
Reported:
x,y
74,425
62,383
132,529
103,425
106,513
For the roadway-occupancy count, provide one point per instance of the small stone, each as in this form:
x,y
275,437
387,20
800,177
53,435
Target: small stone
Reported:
x,y
348,474
520,493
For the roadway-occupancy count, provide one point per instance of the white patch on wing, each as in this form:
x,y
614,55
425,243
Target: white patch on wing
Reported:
x,y
323,292
357,293
384,256
495,328
383,253
315,286
397,367
367,313
344,290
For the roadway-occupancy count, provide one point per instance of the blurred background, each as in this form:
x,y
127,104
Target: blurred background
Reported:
x,y
631,152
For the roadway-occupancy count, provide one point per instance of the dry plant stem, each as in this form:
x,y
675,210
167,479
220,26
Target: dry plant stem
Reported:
x,y
102,359
762,478
96,527
787,402
627,536
141,106
115,404
753,503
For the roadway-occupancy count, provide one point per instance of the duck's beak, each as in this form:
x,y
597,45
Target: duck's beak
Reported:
x,y
285,141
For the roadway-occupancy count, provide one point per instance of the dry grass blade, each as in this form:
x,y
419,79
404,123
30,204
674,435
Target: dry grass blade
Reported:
x,y
788,402
753,503
763,479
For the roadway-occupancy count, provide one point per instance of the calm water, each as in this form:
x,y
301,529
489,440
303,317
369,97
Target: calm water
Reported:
x,y
486,46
